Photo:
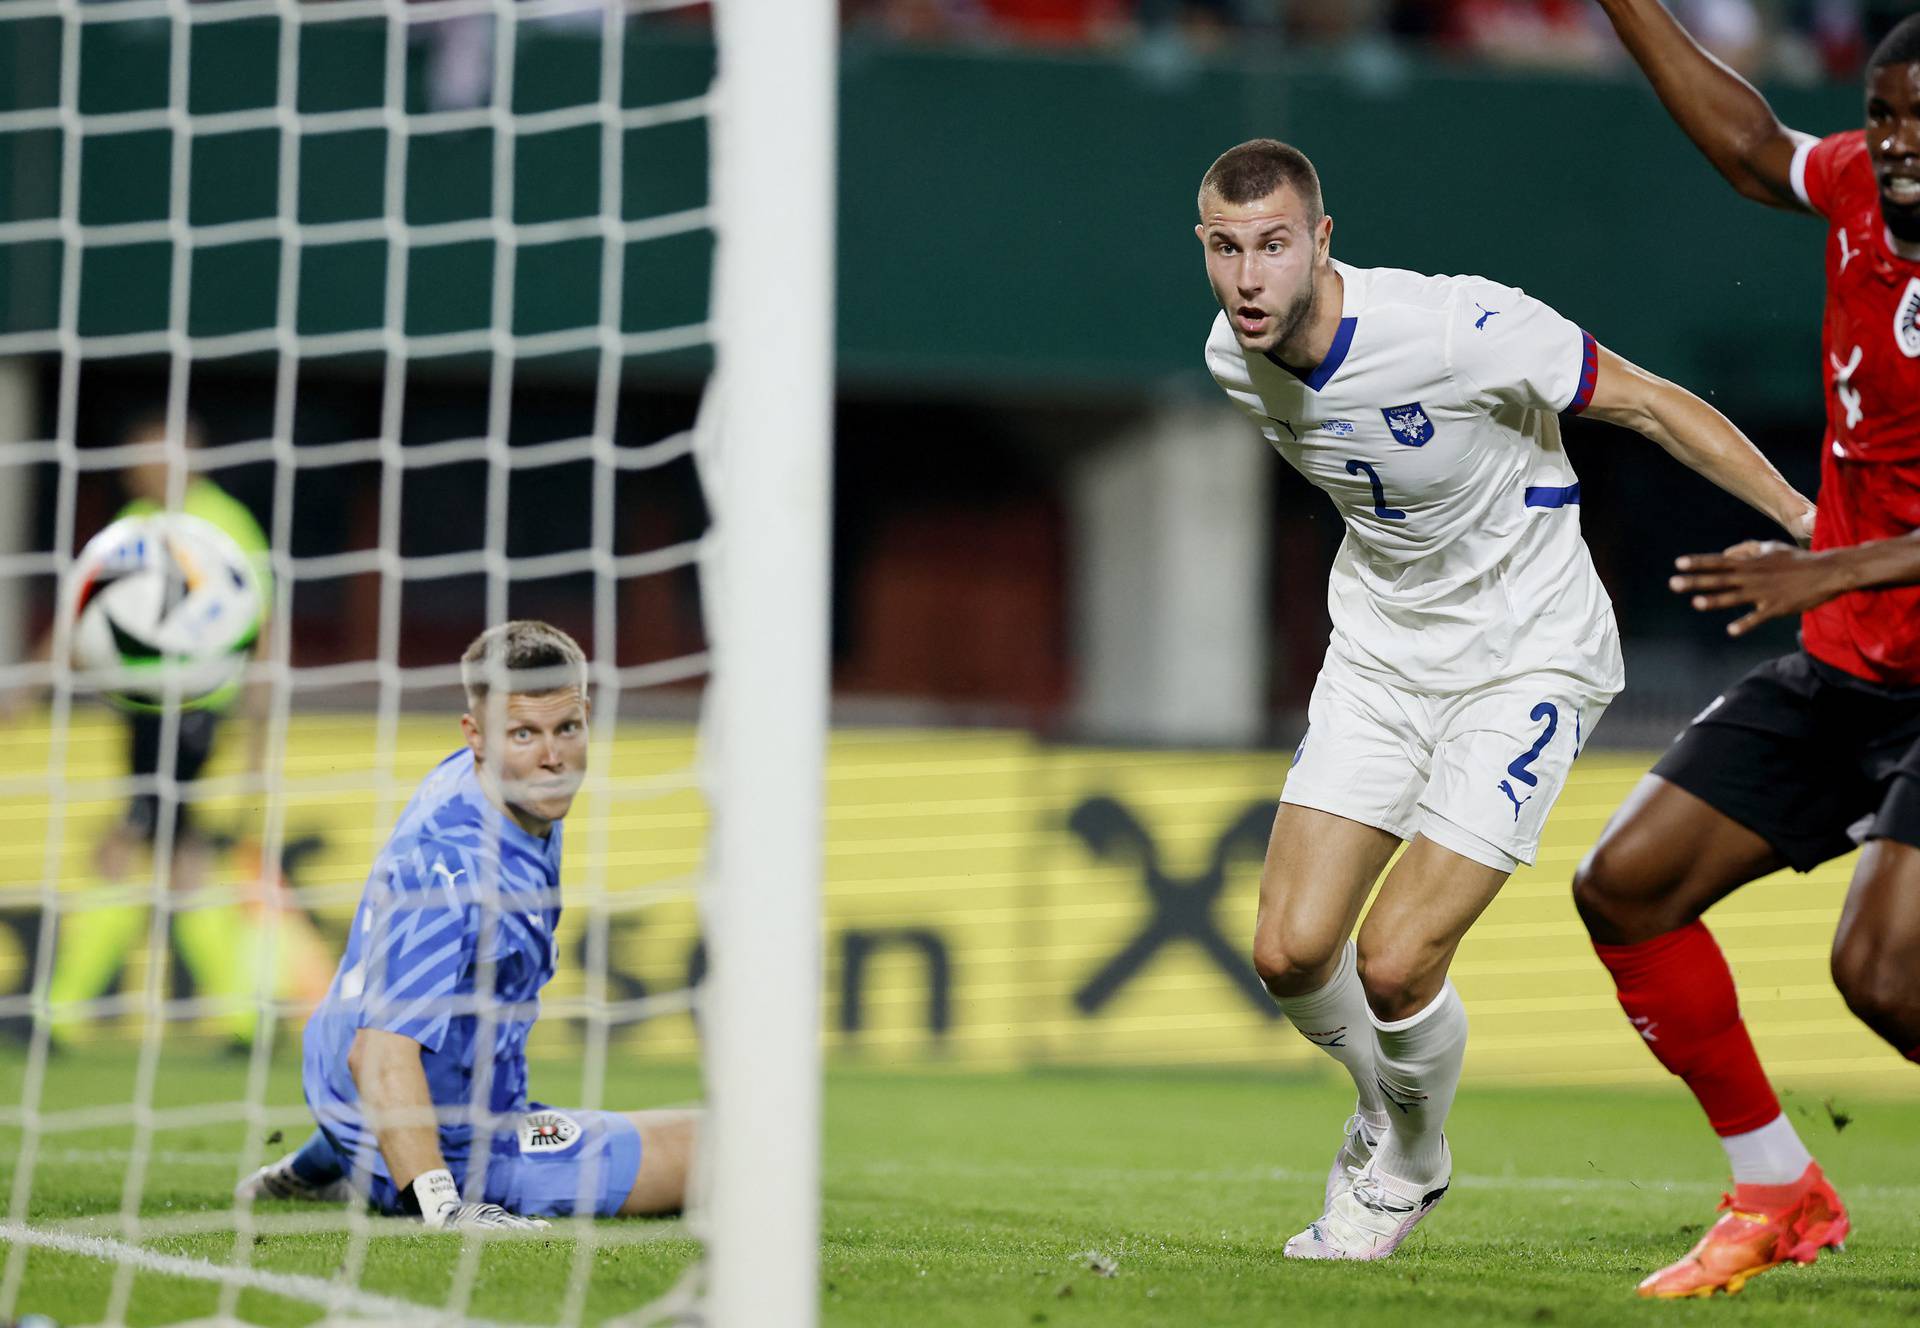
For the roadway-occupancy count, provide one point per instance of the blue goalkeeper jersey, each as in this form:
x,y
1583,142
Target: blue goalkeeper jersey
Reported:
x,y
451,944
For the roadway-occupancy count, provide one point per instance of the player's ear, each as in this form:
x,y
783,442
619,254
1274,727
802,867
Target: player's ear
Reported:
x,y
1323,236
476,740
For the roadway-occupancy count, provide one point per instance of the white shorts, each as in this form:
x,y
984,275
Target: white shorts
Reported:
x,y
1476,771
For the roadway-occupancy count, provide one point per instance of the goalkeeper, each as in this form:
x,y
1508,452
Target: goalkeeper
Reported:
x,y
415,1062
93,942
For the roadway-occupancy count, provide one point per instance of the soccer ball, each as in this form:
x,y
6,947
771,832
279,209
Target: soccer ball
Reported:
x,y
164,609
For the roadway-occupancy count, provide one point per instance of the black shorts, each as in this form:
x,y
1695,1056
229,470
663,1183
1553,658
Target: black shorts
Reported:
x,y
191,749
1813,760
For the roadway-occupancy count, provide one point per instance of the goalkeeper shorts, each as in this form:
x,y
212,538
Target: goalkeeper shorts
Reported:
x,y
543,1167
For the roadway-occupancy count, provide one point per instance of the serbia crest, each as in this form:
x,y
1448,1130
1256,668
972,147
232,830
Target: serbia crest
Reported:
x,y
1411,426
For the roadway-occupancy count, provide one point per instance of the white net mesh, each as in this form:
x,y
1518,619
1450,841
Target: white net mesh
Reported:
x,y
433,278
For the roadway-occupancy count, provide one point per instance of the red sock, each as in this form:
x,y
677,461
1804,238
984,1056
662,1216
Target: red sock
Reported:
x,y
1678,992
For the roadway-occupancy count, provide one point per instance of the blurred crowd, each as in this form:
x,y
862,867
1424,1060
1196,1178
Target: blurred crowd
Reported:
x,y
1799,40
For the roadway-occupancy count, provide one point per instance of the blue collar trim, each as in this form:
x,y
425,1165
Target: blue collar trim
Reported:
x,y
1336,356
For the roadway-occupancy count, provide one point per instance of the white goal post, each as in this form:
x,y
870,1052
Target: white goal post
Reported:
x,y
762,447
774,174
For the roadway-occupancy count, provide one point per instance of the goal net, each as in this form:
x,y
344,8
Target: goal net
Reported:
x,y
483,309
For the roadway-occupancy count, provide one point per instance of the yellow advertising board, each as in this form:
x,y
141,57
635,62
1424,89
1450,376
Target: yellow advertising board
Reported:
x,y
991,901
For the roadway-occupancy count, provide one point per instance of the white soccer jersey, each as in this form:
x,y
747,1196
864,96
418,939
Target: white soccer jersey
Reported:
x,y
1433,426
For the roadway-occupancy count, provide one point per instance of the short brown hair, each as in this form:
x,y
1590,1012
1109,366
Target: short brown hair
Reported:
x,y
1254,169
531,657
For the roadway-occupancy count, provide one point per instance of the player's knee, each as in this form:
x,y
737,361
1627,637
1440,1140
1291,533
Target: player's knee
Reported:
x,y
1399,981
1611,898
1876,984
1293,965
113,855
668,1142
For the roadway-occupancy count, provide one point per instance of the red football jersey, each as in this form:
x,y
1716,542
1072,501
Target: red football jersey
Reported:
x,y
1870,458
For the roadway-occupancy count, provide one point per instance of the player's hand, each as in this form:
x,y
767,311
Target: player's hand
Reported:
x,y
486,1216
441,1209
1800,527
1777,579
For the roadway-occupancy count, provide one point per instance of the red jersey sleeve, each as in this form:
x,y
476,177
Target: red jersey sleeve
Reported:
x,y
1820,165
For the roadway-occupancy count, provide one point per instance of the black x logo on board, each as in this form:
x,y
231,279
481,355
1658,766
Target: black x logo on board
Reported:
x,y
1182,909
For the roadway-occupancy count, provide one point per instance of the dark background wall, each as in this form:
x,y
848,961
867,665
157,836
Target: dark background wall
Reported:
x,y
1017,276
1009,222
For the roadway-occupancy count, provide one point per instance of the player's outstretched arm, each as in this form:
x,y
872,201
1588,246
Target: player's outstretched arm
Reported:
x,y
1720,111
1779,580
393,1089
1701,437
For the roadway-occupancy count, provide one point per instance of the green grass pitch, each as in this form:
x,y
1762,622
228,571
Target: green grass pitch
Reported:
x,y
975,1199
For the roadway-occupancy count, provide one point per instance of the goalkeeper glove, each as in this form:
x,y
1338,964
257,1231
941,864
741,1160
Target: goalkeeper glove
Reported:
x,y
437,1198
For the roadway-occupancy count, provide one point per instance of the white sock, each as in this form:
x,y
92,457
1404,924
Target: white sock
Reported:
x,y
1335,1019
1770,1155
1418,1062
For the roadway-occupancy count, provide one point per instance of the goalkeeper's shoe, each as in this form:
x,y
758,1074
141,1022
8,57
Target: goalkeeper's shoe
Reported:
x,y
1369,1219
1760,1226
1356,1150
278,1180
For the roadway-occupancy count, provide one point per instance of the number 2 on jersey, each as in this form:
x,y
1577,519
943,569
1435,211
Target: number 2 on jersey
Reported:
x,y
1519,767
1380,508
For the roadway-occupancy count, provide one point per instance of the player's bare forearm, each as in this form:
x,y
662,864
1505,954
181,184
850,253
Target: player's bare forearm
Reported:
x,y
1778,580
1721,112
393,1088
1699,436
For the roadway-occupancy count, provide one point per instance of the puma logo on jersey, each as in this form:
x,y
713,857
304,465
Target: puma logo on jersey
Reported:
x,y
1518,801
1843,387
1285,425
449,879
1480,323
1847,252
1645,1026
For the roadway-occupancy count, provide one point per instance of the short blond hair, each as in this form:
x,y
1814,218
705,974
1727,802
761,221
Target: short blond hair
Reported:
x,y
527,656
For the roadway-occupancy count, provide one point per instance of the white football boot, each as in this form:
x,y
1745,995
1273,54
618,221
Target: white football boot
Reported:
x,y
1356,1150
1368,1219
278,1180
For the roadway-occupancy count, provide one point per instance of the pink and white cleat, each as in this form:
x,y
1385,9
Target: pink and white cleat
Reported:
x,y
1369,1219
1356,1150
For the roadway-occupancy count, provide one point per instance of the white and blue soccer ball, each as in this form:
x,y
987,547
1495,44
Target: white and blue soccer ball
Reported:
x,y
164,610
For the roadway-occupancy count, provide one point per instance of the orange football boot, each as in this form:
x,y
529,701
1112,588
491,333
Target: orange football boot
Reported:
x,y
1761,1225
